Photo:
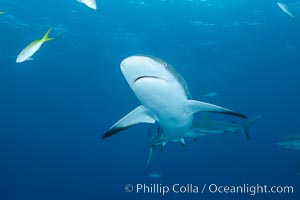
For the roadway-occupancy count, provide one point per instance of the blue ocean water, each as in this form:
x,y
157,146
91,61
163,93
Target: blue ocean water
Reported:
x,y
55,109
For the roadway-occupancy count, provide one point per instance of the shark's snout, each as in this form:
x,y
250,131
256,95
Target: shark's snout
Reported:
x,y
132,62
138,67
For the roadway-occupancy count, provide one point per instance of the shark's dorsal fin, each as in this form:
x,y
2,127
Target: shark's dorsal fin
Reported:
x,y
198,106
137,116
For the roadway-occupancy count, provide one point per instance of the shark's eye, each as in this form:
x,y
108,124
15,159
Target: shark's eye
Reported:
x,y
165,64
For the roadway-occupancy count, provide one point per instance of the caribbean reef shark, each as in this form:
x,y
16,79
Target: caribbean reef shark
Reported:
x,y
207,126
165,99
291,142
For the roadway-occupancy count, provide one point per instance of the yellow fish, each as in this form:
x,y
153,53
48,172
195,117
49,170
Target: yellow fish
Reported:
x,y
32,48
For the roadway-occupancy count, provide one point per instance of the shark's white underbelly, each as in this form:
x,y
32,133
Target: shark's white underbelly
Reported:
x,y
166,101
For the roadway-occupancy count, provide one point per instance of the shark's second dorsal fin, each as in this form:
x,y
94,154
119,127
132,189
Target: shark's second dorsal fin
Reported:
x,y
137,116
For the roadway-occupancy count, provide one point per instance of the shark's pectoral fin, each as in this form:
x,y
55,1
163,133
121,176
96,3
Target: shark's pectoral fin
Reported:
x,y
198,106
137,116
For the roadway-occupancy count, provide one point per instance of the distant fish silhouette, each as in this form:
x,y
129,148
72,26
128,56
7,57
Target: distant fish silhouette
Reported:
x,y
211,94
284,8
154,175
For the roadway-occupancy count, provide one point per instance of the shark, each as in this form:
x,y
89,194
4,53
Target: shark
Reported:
x,y
291,142
207,126
165,99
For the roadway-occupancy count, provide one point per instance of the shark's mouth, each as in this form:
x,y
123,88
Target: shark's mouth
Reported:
x,y
143,77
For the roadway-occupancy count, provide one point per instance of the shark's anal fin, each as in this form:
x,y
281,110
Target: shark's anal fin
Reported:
x,y
198,106
137,116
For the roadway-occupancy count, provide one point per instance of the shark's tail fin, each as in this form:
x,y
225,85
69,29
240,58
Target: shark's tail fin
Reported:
x,y
246,127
